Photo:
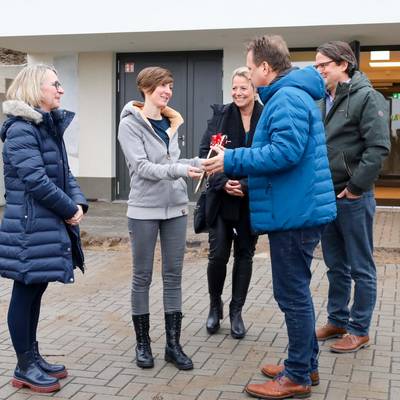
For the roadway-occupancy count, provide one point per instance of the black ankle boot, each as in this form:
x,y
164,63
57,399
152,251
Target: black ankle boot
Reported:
x,y
28,374
144,356
215,315
56,370
173,349
238,330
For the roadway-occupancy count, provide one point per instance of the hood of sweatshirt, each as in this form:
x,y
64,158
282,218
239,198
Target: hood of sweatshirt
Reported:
x,y
135,108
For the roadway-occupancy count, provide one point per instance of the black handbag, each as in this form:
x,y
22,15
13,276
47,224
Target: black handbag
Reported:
x,y
199,214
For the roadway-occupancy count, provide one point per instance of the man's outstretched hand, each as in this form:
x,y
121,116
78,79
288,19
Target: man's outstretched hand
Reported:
x,y
215,164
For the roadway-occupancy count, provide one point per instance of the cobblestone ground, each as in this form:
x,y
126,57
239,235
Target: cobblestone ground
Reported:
x,y
88,327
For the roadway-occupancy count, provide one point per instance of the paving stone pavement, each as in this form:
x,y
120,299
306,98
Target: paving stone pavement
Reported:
x,y
88,327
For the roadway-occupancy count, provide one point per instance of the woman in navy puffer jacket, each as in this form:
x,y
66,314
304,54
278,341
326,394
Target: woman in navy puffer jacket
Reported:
x,y
39,234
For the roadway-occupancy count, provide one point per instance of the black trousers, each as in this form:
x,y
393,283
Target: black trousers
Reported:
x,y
221,236
23,314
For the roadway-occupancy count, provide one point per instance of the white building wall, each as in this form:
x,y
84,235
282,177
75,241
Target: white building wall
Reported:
x,y
96,115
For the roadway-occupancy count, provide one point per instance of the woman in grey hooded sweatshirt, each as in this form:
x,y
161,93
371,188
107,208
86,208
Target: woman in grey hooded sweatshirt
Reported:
x,y
157,204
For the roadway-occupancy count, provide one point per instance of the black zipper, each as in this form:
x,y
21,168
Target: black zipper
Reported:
x,y
348,170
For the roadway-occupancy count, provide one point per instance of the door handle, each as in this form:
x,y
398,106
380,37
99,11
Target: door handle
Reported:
x,y
182,139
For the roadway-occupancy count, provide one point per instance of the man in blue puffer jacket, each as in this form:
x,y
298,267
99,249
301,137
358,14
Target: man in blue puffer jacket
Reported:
x,y
291,198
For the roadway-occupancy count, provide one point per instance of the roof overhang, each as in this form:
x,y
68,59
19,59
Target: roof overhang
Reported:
x,y
296,37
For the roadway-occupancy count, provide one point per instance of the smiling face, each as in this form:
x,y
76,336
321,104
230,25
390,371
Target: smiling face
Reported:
x,y
331,72
160,96
242,91
51,91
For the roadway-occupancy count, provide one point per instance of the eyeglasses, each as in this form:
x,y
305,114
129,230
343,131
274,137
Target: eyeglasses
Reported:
x,y
57,85
323,65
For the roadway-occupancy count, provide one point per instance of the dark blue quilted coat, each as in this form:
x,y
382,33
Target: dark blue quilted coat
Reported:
x,y
36,245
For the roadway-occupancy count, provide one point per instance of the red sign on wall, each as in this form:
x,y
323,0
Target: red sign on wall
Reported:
x,y
129,67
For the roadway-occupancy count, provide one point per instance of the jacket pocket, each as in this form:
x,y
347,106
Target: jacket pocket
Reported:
x,y
28,214
178,192
270,199
340,170
346,165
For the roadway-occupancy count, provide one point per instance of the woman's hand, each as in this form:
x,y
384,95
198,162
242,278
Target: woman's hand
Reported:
x,y
194,172
77,218
233,188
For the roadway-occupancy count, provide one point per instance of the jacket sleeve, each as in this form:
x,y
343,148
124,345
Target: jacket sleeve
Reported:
x,y
374,131
25,156
288,132
194,162
75,192
135,155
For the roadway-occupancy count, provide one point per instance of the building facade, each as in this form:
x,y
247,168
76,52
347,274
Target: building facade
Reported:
x,y
98,50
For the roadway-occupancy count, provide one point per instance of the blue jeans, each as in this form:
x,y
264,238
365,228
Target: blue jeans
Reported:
x,y
348,253
291,256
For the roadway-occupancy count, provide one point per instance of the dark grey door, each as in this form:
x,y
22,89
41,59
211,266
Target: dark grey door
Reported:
x,y
197,84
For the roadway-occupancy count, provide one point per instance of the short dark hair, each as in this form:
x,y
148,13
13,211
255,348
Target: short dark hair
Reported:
x,y
151,77
272,49
340,51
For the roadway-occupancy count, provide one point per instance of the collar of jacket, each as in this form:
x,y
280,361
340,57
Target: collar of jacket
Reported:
x,y
345,89
56,120
174,117
357,81
307,79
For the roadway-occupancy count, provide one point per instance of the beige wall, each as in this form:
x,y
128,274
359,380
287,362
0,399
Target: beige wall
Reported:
x,y
96,115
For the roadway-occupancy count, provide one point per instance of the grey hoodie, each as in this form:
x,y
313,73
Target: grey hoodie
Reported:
x,y
157,187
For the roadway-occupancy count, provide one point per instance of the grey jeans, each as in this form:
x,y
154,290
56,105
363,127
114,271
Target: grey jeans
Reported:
x,y
143,235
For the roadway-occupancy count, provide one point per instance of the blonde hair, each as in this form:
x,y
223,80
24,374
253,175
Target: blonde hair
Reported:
x,y
26,86
241,71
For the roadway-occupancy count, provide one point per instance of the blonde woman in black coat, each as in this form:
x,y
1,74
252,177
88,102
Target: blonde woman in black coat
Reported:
x,y
228,215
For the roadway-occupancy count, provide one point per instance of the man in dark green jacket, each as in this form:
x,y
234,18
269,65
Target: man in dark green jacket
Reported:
x,y
357,131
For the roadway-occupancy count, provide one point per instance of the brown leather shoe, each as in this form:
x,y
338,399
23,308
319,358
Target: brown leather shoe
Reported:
x,y
272,371
329,331
349,344
280,388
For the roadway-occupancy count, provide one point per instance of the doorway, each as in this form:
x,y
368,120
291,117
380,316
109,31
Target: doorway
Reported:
x,y
197,85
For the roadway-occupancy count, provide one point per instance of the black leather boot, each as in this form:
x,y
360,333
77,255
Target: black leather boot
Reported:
x,y
241,275
144,356
173,349
215,315
238,330
56,370
28,374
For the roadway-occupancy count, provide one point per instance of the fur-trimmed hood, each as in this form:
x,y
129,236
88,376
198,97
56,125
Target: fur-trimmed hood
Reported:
x,y
18,108
55,121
